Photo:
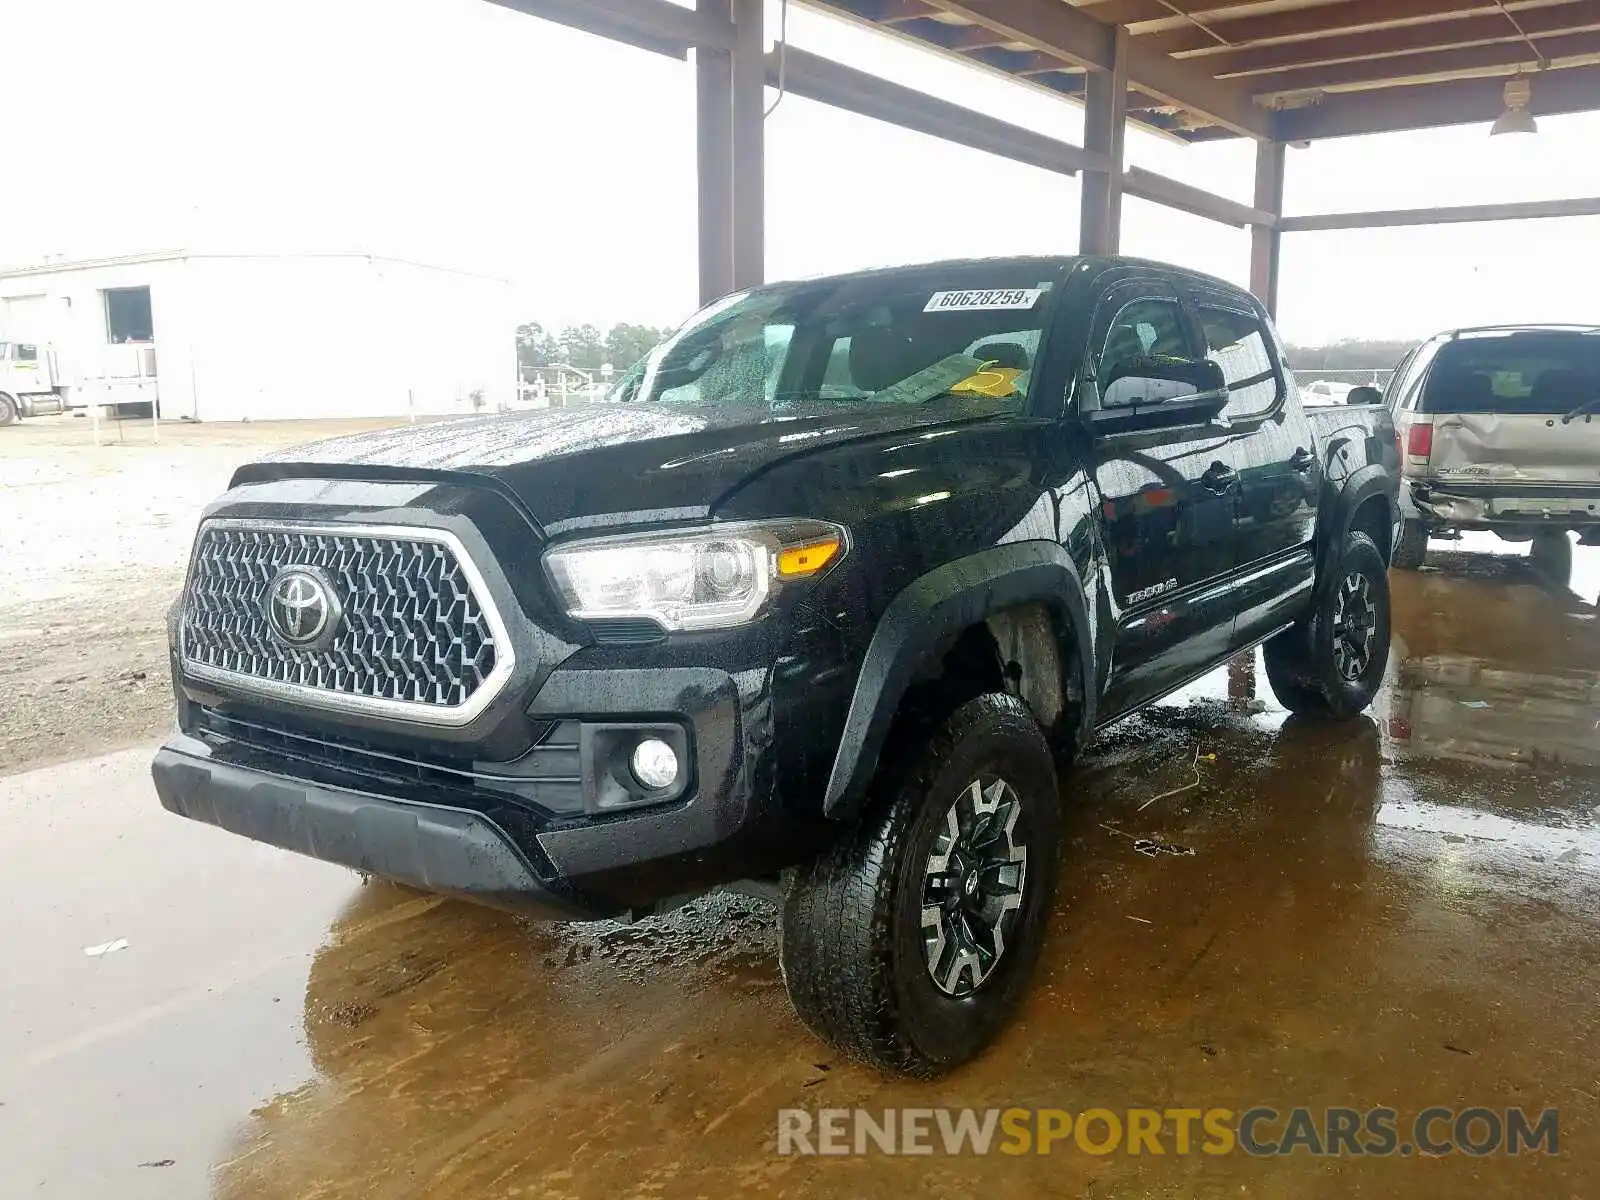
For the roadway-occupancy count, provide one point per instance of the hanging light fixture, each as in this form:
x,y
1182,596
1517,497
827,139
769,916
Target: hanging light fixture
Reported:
x,y
1516,118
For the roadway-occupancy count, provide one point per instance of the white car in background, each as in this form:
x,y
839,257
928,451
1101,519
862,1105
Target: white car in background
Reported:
x,y
1327,391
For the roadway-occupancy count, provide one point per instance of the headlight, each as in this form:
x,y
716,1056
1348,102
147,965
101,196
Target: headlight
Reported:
x,y
706,578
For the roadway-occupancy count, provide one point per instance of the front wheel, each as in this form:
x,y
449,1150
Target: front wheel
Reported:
x,y
1551,556
10,412
1332,661
909,942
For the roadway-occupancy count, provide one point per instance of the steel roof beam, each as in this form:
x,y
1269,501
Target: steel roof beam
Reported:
x,y
1492,57
1308,24
1148,185
1401,39
1425,105
1588,206
653,25
828,82
1062,30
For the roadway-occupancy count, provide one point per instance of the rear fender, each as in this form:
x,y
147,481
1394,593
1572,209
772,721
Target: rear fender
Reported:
x,y
1373,481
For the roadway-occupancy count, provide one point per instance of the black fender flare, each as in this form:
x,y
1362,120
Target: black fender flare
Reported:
x,y
935,607
1372,480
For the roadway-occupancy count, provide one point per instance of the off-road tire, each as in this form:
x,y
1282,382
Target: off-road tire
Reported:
x,y
1306,665
10,410
851,940
1551,556
1412,547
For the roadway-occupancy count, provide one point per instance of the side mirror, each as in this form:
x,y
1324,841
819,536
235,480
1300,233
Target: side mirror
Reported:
x,y
1154,392
1364,395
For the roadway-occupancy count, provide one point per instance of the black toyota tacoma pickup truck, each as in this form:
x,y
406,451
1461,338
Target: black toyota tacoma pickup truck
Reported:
x,y
821,602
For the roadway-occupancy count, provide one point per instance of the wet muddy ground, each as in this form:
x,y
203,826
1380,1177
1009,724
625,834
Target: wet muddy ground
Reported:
x,y
1400,911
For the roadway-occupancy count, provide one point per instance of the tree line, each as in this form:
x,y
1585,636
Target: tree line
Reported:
x,y
584,346
1351,354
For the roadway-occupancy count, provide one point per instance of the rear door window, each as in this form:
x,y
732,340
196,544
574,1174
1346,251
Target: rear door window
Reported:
x,y
1537,374
1237,342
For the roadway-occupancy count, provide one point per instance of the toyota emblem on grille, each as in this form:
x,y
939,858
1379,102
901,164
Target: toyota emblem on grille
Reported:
x,y
302,609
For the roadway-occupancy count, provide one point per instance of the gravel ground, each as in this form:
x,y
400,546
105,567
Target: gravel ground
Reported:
x,y
93,540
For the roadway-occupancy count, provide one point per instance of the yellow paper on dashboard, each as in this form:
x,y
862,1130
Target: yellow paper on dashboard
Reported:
x,y
990,380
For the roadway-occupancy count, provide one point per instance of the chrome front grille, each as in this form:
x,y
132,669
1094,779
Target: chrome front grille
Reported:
x,y
414,631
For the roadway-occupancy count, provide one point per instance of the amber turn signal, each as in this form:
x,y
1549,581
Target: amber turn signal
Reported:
x,y
798,561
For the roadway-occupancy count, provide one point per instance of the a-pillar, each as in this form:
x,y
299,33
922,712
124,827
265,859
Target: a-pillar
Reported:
x,y
1105,115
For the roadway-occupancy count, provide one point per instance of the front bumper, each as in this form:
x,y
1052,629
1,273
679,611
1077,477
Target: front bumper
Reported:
x,y
426,846
553,848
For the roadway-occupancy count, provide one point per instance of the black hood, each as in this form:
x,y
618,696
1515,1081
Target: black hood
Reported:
x,y
569,467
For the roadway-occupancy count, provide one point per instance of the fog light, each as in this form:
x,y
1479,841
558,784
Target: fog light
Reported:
x,y
655,764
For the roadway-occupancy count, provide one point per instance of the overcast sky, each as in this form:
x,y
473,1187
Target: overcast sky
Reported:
x,y
461,133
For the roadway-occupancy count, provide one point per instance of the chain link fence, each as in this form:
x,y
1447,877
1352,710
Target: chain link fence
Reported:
x,y
563,387
1324,385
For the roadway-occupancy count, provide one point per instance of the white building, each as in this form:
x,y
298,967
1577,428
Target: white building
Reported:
x,y
229,337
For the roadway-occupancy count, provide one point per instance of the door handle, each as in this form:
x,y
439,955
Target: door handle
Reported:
x,y
1302,459
1219,478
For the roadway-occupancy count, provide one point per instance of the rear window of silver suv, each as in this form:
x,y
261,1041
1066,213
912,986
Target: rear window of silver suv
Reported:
x,y
1541,373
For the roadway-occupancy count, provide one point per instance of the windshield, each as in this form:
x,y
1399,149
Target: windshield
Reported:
x,y
1540,374
967,335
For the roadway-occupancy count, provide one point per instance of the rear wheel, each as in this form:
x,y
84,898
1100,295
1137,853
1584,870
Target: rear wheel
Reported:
x,y
1297,697
1332,661
10,412
1551,556
908,943
1412,547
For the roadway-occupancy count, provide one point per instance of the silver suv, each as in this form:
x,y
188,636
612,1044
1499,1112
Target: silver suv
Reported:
x,y
1498,432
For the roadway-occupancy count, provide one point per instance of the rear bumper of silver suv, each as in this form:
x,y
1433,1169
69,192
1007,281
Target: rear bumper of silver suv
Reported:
x,y
1489,505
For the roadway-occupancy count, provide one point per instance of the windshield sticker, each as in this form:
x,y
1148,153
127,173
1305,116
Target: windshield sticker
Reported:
x,y
985,300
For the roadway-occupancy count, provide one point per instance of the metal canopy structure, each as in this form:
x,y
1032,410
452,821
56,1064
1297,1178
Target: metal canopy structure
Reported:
x,y
1285,69
1276,71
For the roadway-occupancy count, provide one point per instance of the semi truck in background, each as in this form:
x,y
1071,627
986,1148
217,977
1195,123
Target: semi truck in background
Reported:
x,y
31,383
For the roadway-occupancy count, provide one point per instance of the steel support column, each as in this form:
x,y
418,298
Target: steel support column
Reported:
x,y
1530,210
1104,121
749,77
1265,241
713,70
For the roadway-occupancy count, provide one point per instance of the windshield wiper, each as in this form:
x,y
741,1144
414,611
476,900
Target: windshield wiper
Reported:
x,y
1580,410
